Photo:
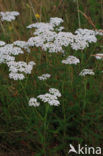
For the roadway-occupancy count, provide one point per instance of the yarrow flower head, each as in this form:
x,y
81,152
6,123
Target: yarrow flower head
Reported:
x,y
71,60
85,72
99,32
17,69
47,97
16,76
44,76
55,92
9,15
22,44
98,56
2,43
51,98
7,56
50,36
33,102
7,51
55,21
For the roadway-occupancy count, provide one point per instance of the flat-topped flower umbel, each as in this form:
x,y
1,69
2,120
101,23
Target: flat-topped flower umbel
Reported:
x,y
9,15
71,60
85,72
44,76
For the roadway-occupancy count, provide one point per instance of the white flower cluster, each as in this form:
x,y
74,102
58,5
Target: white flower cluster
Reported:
x,y
9,15
51,98
2,43
7,52
46,35
85,72
16,76
98,56
22,44
55,92
99,32
18,68
7,56
51,38
33,102
87,35
56,21
44,76
71,60
41,27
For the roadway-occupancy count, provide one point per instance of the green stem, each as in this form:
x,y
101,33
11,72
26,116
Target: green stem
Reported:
x,y
45,126
85,93
79,23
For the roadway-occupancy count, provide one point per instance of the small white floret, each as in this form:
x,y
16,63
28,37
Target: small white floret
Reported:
x,y
33,102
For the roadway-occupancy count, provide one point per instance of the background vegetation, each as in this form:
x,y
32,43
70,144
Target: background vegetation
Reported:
x,y
79,118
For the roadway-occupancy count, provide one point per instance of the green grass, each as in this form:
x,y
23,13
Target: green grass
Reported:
x,y
46,130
